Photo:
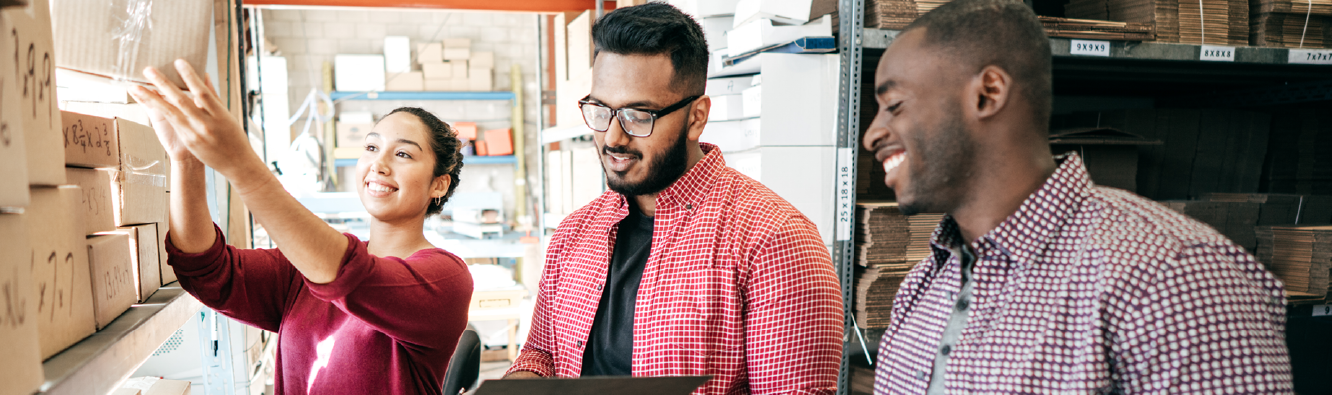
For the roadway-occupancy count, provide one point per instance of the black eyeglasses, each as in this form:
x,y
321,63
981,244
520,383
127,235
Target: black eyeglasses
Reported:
x,y
635,122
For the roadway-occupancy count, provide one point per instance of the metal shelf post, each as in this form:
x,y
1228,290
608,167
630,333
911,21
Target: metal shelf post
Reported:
x,y
848,138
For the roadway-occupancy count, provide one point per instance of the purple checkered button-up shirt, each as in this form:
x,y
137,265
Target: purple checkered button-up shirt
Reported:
x,y
1088,289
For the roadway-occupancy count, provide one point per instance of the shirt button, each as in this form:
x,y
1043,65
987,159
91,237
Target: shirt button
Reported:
x,y
578,343
945,350
920,374
599,287
689,207
963,304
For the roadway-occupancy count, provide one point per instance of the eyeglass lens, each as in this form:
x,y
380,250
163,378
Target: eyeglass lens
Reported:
x,y
635,122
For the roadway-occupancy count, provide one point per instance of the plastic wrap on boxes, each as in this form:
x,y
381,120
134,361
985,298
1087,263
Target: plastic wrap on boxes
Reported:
x,y
119,38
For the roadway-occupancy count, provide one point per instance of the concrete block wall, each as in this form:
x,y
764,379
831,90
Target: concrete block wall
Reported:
x,y
310,37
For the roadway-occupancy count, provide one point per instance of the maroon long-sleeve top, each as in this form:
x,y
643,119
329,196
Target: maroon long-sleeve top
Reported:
x,y
386,325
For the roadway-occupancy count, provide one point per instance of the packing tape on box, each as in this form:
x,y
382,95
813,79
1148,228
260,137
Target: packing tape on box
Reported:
x,y
132,21
139,178
136,170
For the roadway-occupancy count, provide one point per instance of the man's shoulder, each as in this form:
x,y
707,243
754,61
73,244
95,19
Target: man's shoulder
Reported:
x,y
752,203
1134,233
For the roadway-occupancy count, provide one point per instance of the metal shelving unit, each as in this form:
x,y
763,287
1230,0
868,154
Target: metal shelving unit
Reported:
x,y
1174,74
99,363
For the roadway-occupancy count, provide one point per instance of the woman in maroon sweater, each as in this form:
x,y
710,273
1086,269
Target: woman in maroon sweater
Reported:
x,y
354,317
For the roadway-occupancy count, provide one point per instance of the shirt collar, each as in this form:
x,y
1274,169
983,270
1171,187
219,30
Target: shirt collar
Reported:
x,y
1025,234
692,187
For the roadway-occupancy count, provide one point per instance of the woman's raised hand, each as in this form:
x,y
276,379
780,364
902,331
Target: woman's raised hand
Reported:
x,y
200,126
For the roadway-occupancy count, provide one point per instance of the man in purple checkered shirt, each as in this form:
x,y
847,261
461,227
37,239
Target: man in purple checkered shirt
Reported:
x,y
1041,281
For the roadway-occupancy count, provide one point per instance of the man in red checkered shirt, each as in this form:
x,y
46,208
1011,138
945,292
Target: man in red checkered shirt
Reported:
x,y
686,267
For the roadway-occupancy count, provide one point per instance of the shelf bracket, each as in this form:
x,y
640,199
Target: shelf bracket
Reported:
x,y
215,343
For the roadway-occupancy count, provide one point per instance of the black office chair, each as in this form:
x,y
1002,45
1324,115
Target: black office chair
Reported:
x,y
465,365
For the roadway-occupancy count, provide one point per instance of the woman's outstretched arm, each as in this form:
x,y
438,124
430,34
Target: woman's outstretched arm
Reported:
x,y
204,128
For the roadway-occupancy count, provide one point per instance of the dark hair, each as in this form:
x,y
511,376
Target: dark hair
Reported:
x,y
444,141
1003,33
654,29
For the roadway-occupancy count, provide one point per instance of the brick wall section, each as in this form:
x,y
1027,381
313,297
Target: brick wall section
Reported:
x,y
310,37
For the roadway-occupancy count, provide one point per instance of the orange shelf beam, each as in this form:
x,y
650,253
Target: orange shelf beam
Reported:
x,y
542,6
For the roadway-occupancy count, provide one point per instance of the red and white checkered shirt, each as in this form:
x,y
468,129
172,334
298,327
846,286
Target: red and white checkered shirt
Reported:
x,y
738,285
1090,289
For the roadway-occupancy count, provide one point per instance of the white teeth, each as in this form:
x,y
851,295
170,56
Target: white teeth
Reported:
x,y
893,162
377,187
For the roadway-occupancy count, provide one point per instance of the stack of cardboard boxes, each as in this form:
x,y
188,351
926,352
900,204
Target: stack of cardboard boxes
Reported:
x,y
82,198
449,65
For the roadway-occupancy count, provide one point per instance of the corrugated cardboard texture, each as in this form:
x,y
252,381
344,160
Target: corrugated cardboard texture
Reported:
x,y
112,276
168,275
95,198
21,368
139,187
39,115
143,241
93,39
90,141
13,150
60,276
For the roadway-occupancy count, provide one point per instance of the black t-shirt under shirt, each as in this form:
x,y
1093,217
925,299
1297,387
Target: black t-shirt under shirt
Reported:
x,y
610,344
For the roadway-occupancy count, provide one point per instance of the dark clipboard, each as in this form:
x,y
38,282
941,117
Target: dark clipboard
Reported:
x,y
667,385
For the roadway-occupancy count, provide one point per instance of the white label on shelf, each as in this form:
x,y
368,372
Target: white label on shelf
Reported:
x,y
846,159
1089,47
1310,56
1217,53
1322,310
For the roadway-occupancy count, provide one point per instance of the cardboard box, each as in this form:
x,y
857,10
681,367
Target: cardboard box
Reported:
x,y
145,259
727,108
60,271
112,268
412,81
499,142
752,102
460,69
798,102
449,85
437,71
482,60
706,8
715,29
166,273
457,43
358,73
397,54
466,130
93,39
353,134
429,53
480,80
94,198
139,185
79,86
761,33
13,150
580,44
131,111
21,369
90,141
452,54
169,387
733,136
785,11
38,115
